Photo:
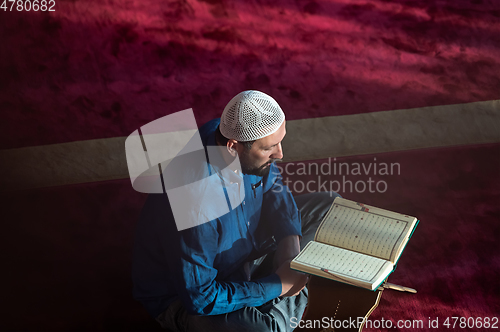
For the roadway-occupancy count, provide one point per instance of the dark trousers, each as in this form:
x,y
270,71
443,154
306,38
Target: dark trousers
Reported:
x,y
274,315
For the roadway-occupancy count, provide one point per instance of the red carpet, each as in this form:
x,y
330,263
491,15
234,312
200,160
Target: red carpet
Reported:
x,y
97,69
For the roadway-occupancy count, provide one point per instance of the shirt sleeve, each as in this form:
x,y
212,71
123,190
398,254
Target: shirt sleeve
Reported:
x,y
279,210
197,287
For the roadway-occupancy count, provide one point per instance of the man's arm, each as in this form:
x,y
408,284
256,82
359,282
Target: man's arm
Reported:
x,y
280,216
282,219
192,263
288,248
292,282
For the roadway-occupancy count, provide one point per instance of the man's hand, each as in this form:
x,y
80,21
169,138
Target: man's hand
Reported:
x,y
292,282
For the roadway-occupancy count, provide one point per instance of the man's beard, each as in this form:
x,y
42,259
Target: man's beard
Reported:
x,y
262,170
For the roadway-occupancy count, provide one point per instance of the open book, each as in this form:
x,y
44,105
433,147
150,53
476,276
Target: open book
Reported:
x,y
356,244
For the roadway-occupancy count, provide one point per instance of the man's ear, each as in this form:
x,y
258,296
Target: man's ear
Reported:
x,y
231,147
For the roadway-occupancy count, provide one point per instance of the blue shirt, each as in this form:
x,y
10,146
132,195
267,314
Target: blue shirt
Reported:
x,y
202,265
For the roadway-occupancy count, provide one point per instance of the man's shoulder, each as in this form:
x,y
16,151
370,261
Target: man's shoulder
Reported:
x,y
208,129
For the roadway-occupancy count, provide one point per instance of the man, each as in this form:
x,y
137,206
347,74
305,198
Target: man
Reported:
x,y
231,273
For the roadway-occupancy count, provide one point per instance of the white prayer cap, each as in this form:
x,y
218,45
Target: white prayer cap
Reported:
x,y
251,115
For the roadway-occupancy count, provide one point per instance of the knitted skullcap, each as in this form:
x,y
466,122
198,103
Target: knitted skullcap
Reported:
x,y
251,115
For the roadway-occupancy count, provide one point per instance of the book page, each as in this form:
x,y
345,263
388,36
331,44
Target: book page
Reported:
x,y
372,231
366,270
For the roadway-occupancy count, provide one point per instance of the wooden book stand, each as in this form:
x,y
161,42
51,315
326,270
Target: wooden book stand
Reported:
x,y
338,302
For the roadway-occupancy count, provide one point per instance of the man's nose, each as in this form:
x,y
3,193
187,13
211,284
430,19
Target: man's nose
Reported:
x,y
278,153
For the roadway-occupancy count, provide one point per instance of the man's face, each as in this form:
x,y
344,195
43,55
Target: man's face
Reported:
x,y
264,151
